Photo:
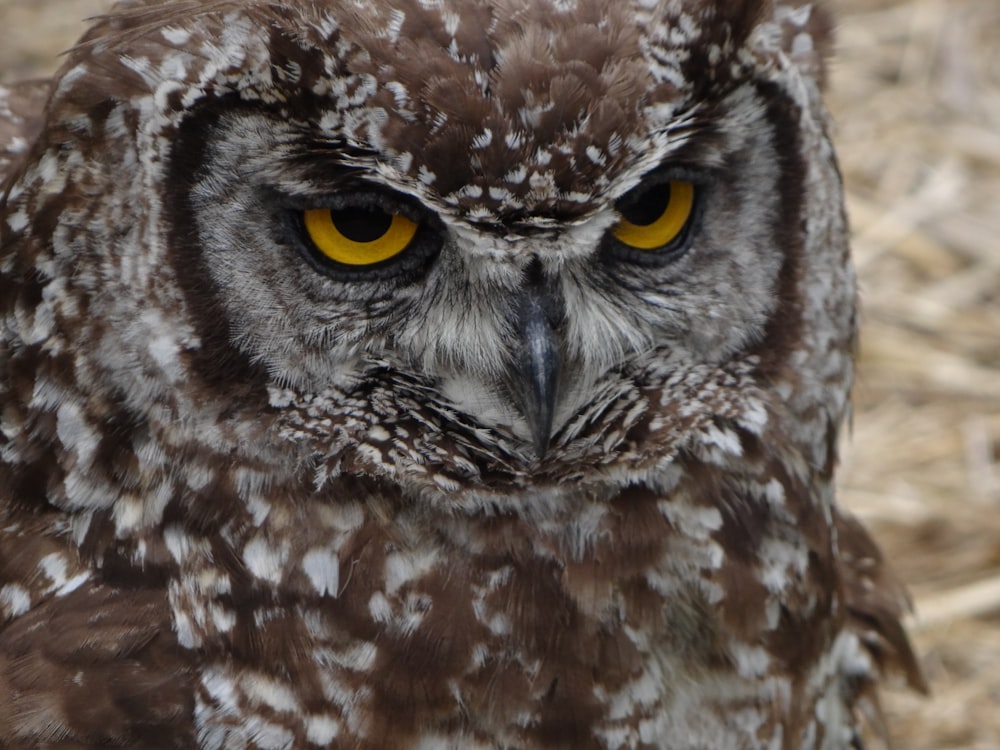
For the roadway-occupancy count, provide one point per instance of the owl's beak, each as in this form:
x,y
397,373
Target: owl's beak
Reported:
x,y
539,361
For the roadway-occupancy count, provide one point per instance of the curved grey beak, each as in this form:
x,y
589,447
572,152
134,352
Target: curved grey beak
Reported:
x,y
535,380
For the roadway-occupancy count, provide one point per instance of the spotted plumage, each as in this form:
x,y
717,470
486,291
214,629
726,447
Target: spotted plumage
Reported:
x,y
521,484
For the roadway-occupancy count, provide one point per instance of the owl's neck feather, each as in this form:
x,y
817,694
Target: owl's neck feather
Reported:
x,y
615,607
593,595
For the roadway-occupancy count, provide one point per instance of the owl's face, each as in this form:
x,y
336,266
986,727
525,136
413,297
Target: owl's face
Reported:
x,y
549,221
511,317
509,216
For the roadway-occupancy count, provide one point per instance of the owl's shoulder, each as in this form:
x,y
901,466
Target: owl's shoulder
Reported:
x,y
22,108
114,673
876,603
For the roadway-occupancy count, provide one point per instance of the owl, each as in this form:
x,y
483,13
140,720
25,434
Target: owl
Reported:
x,y
432,374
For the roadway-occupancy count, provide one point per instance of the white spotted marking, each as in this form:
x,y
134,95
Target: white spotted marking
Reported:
x,y
15,600
321,730
76,433
322,566
265,560
379,608
267,691
18,220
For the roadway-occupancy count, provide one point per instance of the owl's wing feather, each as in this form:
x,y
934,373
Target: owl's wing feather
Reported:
x,y
22,106
876,603
95,666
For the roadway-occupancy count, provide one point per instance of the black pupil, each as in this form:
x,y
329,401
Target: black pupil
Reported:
x,y
649,207
361,224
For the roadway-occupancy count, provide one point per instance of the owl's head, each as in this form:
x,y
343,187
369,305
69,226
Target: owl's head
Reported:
x,y
505,219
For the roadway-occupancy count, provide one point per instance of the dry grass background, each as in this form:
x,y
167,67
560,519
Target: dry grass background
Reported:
x,y
916,95
915,92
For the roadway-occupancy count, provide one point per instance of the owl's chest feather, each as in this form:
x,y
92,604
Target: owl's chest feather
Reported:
x,y
611,626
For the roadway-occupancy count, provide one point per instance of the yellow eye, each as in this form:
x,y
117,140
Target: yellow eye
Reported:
x,y
657,218
358,236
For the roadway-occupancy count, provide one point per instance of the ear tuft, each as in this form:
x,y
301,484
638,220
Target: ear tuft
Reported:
x,y
807,36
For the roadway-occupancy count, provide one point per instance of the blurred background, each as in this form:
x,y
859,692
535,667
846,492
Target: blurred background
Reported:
x,y
915,95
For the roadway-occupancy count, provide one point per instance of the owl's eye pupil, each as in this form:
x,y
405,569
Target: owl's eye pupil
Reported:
x,y
649,207
361,225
